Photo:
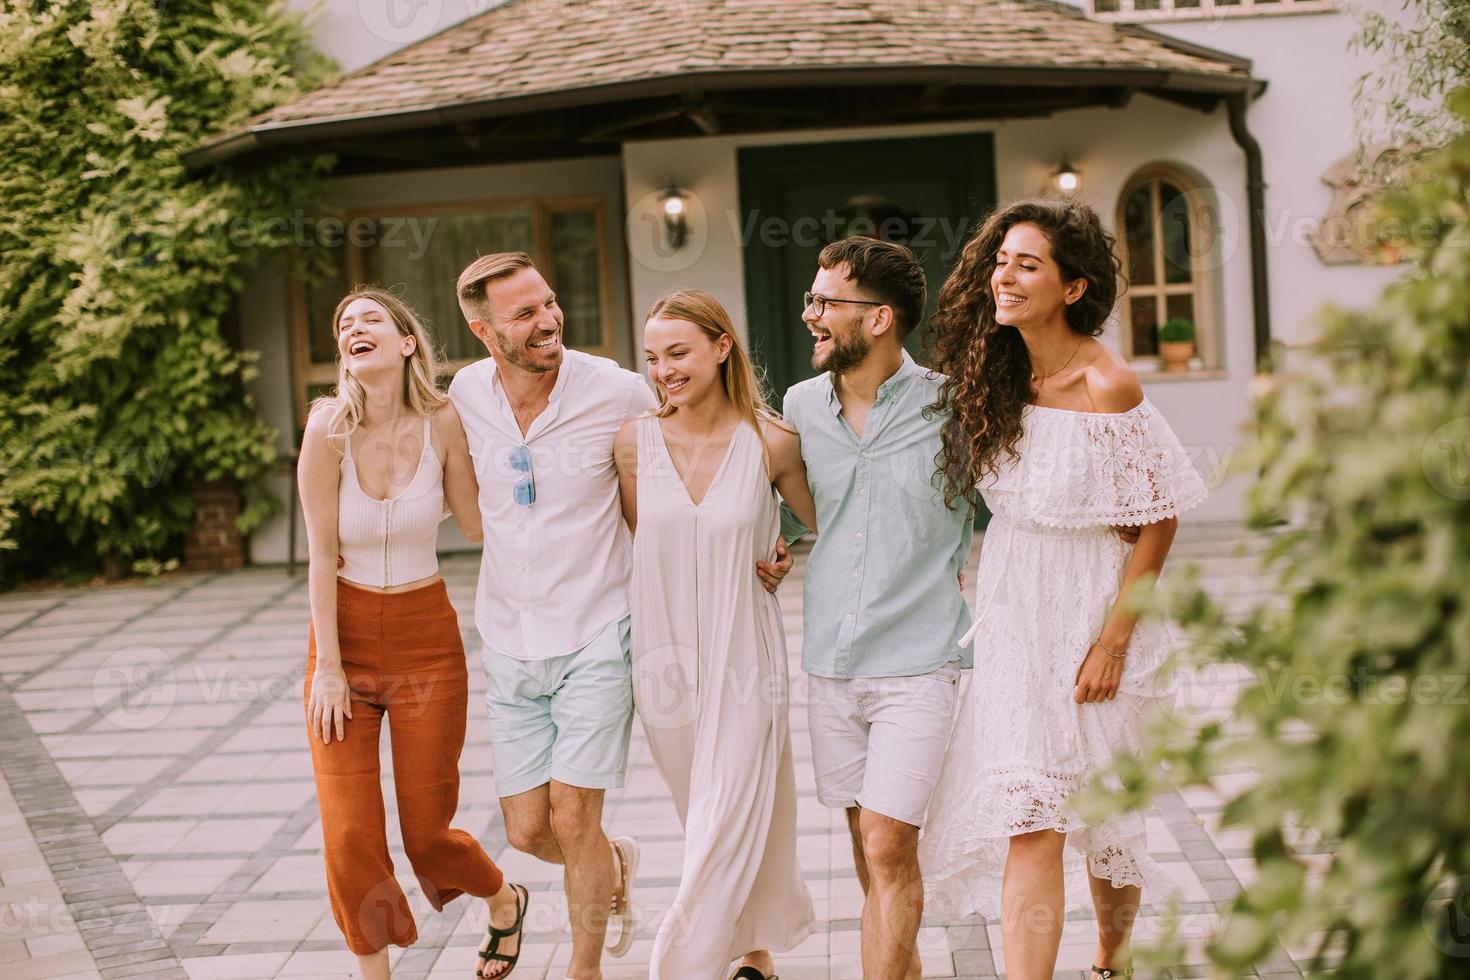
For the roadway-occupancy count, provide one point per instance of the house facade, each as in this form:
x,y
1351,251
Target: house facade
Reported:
x,y
634,146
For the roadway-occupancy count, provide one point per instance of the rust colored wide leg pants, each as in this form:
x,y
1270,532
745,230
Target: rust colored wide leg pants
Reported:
x,y
404,659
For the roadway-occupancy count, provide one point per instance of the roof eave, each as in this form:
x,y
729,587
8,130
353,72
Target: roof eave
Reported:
x,y
270,135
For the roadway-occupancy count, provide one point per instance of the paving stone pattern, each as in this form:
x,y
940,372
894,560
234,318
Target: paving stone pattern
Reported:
x,y
157,814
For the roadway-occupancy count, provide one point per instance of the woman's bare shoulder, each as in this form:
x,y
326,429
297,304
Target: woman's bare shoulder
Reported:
x,y
446,415
318,429
1112,384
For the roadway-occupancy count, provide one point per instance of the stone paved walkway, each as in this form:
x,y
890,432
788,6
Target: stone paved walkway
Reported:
x,y
157,817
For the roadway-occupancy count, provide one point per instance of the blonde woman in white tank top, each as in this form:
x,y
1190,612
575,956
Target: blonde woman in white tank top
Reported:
x,y
384,459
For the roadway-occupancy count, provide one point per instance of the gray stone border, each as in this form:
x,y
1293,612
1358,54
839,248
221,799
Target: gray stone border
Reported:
x,y
110,917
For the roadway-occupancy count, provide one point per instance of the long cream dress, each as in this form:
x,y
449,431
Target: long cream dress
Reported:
x,y
710,682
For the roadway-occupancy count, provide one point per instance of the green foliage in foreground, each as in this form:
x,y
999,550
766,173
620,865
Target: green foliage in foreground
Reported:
x,y
118,389
1420,52
1354,708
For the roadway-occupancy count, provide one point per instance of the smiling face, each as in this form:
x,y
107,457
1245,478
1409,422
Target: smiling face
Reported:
x,y
525,329
1027,283
840,336
683,361
368,340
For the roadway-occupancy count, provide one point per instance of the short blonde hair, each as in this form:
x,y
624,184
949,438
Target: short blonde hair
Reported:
x,y
472,283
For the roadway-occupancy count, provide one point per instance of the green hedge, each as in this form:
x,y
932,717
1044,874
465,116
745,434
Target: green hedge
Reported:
x,y
118,389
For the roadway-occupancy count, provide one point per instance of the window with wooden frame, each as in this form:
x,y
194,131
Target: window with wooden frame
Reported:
x,y
419,251
1167,224
1146,10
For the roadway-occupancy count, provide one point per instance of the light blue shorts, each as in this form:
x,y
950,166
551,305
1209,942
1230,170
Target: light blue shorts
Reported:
x,y
566,718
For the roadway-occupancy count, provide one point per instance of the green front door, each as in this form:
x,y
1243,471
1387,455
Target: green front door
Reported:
x,y
928,193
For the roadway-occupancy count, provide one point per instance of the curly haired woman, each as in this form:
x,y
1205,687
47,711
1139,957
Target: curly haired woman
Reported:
x,y
1052,429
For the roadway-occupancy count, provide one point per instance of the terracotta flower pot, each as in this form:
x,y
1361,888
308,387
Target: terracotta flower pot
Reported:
x,y
1176,354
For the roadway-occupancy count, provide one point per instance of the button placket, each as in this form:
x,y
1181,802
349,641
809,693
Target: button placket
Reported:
x,y
387,527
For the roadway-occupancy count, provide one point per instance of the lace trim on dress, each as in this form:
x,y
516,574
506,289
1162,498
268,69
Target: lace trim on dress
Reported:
x,y
1084,469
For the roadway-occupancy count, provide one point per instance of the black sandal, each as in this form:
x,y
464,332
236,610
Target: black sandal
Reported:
x,y
751,973
1107,972
493,954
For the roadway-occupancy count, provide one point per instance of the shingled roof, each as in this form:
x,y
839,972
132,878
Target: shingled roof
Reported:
x,y
530,55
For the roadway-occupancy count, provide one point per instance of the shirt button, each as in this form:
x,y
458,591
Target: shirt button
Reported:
x,y
862,491
860,535
848,616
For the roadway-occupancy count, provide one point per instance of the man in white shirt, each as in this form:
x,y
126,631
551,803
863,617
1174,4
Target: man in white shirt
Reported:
x,y
552,605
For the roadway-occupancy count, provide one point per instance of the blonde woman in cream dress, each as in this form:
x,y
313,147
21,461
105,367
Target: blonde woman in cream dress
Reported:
x,y
709,650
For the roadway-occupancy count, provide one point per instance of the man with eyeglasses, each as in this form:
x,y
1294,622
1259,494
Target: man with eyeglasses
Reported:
x,y
884,610
552,603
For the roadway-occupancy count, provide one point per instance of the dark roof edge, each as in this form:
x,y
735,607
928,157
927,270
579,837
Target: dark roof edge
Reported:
x,y
1185,47
236,142
1149,34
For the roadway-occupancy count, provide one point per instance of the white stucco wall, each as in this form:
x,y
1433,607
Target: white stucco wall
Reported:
x,y
1304,122
265,328
264,306
1106,145
359,32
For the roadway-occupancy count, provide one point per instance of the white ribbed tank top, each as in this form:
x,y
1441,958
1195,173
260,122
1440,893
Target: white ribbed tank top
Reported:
x,y
390,541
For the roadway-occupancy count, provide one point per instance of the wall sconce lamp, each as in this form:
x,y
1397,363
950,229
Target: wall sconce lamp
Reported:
x,y
673,203
1066,179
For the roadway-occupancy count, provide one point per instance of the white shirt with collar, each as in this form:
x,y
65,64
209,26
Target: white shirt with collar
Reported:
x,y
555,573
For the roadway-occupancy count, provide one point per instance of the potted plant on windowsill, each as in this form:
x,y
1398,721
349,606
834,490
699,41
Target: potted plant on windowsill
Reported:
x,y
1176,343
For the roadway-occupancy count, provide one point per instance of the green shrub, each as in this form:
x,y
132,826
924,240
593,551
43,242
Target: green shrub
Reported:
x,y
1355,712
118,389
1177,330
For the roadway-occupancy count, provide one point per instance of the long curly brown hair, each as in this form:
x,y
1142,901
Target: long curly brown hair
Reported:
x,y
988,368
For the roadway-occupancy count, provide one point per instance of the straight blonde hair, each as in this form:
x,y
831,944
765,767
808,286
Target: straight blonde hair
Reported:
x,y
348,400
743,381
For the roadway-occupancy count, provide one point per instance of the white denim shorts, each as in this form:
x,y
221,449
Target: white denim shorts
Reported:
x,y
877,742
565,718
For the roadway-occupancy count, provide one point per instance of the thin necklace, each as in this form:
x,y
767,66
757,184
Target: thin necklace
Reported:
x,y
1036,380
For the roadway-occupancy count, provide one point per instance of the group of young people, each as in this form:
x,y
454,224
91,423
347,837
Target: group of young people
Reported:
x,y
633,543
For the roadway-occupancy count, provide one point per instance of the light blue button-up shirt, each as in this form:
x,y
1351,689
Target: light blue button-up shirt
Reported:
x,y
882,583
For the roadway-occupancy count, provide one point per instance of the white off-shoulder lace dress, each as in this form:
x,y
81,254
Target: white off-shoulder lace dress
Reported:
x,y
1050,570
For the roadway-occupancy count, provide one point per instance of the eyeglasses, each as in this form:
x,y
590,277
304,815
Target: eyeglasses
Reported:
x,y
819,302
525,490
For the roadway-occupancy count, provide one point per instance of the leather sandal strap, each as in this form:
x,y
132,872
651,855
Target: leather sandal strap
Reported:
x,y
620,891
523,899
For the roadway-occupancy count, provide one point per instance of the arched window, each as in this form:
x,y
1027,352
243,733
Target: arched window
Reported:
x,y
1166,224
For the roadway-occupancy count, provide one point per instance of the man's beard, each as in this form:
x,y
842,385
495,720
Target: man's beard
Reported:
x,y
520,355
844,355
